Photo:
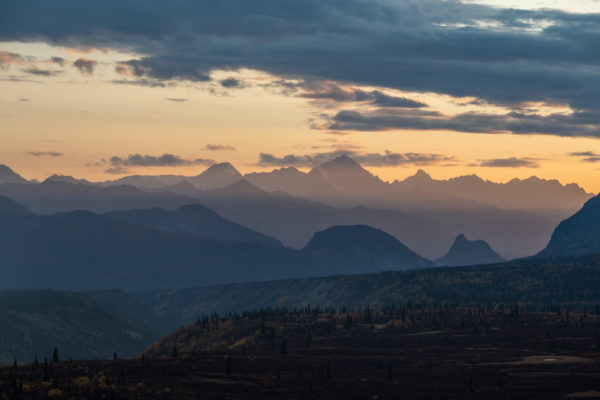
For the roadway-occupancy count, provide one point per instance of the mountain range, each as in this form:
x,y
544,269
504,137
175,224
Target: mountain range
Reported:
x,y
192,246
516,218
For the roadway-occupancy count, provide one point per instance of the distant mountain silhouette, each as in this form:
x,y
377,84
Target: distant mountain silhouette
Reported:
x,y
7,175
67,179
469,252
197,219
348,177
10,207
215,176
294,220
81,250
516,218
578,234
374,249
532,193
58,196
292,181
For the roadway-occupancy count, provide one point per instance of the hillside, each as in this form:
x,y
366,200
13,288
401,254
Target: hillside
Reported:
x,y
295,220
578,234
81,325
469,252
197,219
372,249
532,283
10,207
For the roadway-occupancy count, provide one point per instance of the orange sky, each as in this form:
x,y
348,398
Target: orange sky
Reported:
x,y
87,119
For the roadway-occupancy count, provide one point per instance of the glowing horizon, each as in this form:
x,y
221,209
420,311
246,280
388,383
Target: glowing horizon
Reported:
x,y
69,107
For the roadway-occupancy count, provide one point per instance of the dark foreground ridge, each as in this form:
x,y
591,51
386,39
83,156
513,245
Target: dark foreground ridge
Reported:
x,y
439,352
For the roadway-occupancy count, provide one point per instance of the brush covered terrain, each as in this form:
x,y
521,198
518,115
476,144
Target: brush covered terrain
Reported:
x,y
416,352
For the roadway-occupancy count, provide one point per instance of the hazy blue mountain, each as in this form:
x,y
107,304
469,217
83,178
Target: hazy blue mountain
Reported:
x,y
295,220
57,196
371,249
292,181
67,179
532,194
10,207
203,222
81,250
469,252
578,234
516,218
81,325
7,175
216,176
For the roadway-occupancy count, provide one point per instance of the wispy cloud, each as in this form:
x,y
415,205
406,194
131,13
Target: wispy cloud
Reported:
x,y
232,83
41,72
8,58
334,92
511,162
118,165
176,100
58,60
85,65
45,153
587,156
219,147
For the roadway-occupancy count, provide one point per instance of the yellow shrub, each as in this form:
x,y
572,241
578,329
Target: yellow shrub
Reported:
x,y
55,393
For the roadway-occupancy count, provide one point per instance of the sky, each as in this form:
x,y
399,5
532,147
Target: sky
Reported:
x,y
504,89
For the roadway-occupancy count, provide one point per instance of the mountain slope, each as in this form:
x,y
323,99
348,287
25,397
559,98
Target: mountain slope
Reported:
x,y
533,193
10,207
374,249
469,252
578,234
80,325
216,176
7,175
55,196
295,220
81,250
203,222
572,280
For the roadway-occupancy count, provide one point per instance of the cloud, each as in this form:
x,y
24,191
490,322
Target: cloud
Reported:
x,y
576,124
219,147
501,56
385,159
85,65
176,100
45,154
232,83
587,156
41,72
334,92
8,58
512,162
140,82
58,60
119,164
